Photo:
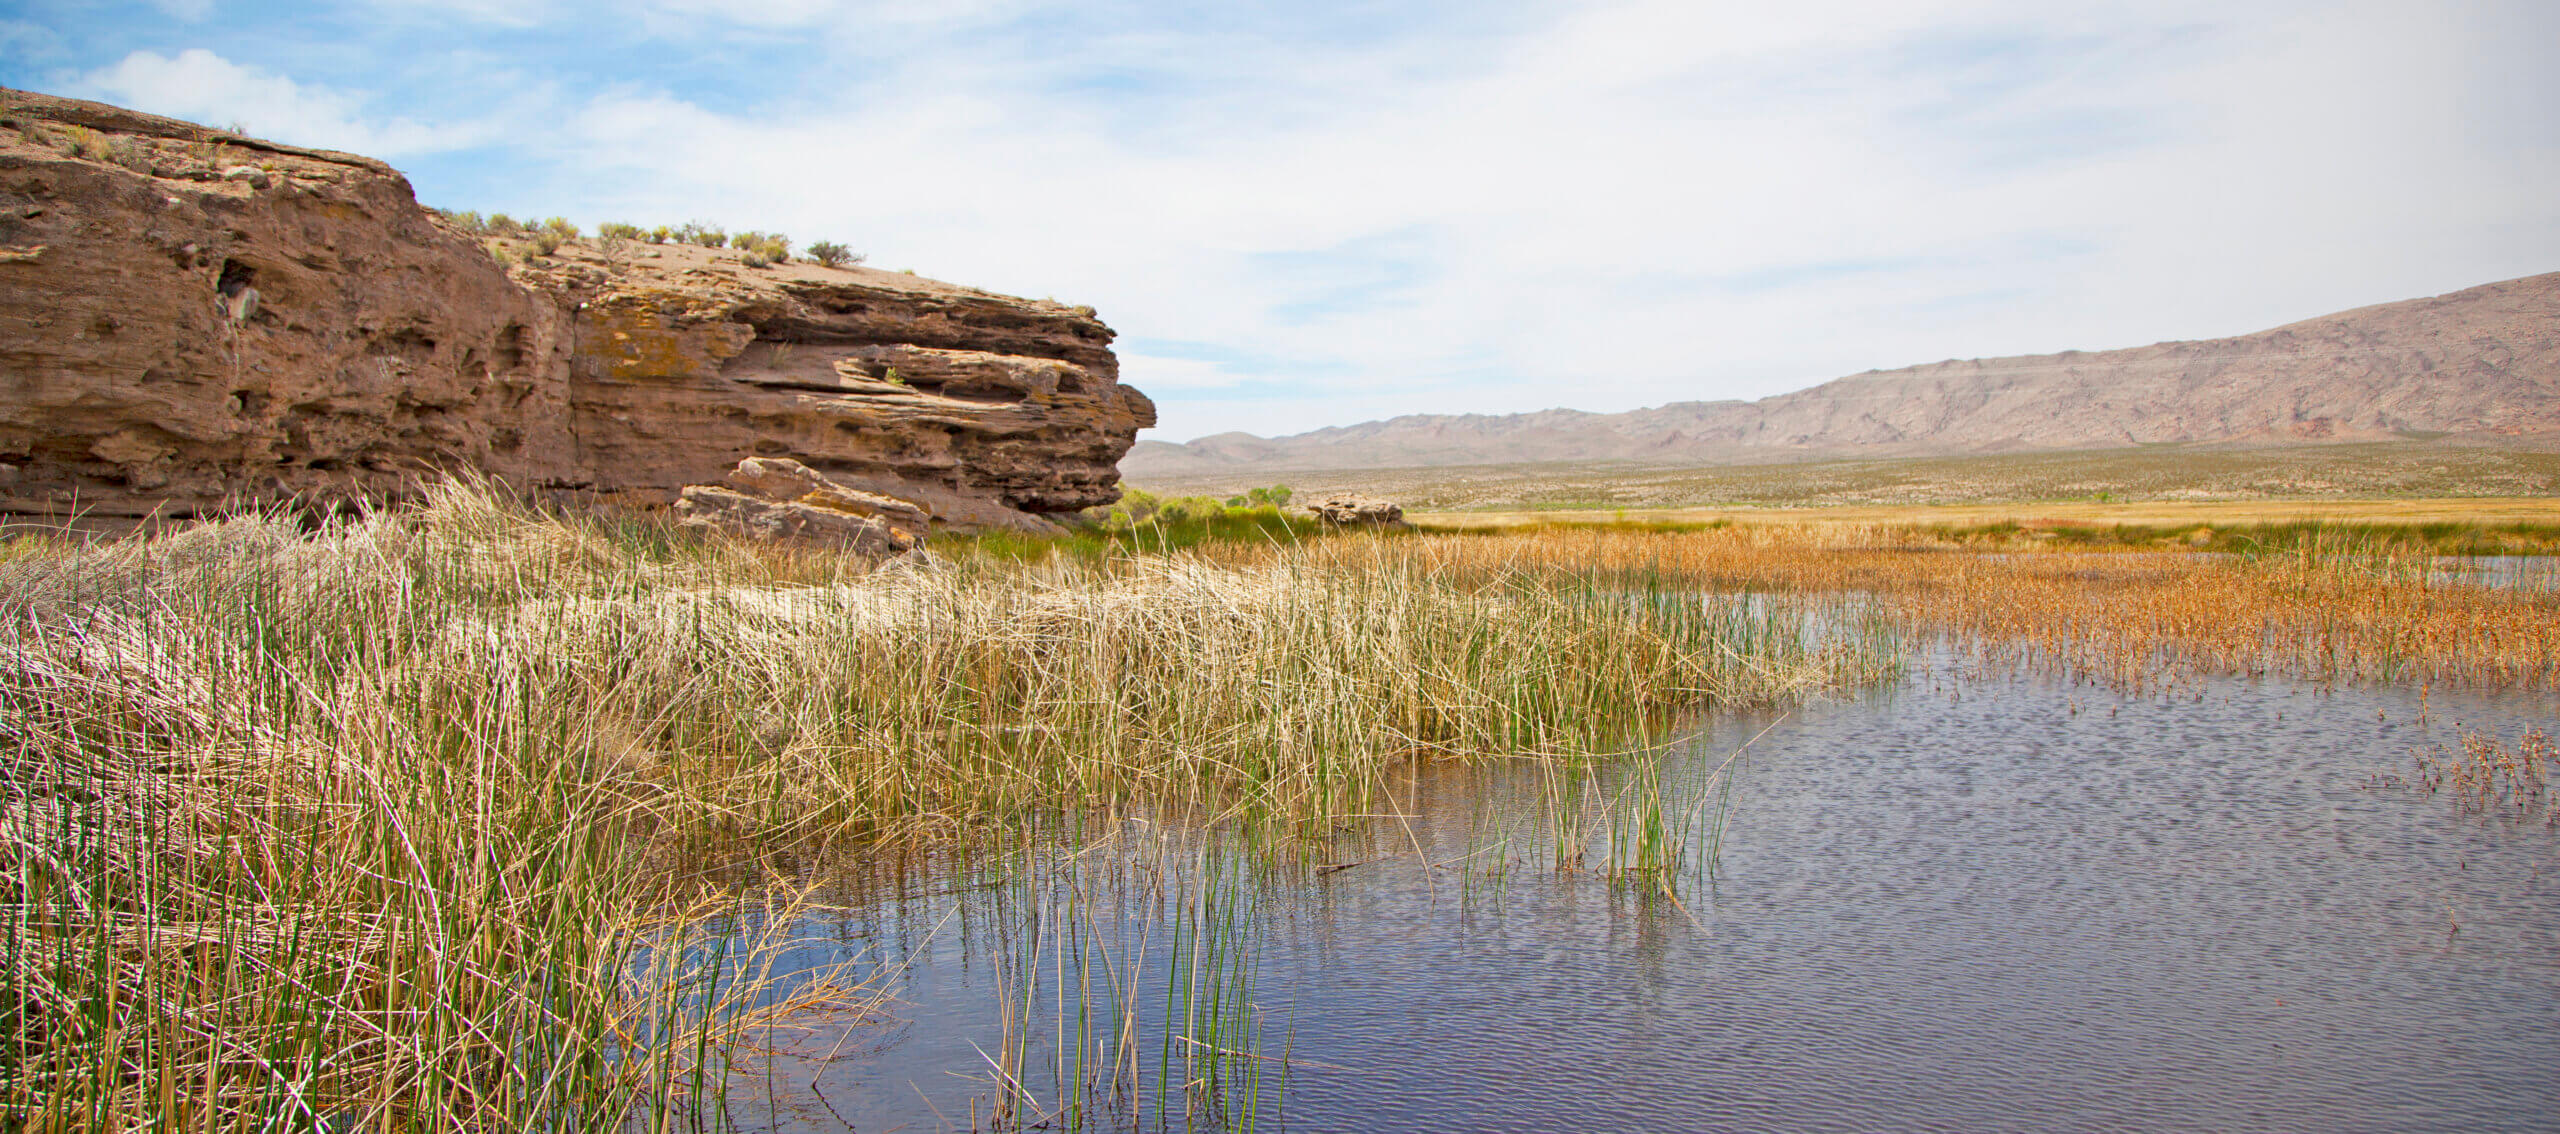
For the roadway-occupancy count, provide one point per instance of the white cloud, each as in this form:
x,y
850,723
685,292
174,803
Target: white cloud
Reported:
x,y
201,86
1600,205
1640,201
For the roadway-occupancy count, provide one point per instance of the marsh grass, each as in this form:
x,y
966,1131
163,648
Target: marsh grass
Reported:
x,y
2281,482
1178,910
2335,609
437,817
2488,776
441,817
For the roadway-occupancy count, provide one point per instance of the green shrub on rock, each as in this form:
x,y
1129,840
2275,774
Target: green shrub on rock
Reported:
x,y
834,255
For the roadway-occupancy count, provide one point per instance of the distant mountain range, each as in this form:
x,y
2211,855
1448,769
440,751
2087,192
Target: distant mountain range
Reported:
x,y
2482,362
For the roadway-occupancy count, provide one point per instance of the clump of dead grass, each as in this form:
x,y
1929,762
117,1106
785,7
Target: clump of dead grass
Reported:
x,y
2488,776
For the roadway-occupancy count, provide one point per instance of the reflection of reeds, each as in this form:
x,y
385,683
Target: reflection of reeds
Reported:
x,y
1074,940
389,823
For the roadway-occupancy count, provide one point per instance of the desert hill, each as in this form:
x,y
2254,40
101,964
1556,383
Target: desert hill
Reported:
x,y
2479,362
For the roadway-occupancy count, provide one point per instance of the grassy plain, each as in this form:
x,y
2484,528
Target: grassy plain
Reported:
x,y
2479,511
2404,470
2446,526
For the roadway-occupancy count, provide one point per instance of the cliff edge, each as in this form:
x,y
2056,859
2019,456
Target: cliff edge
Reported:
x,y
192,320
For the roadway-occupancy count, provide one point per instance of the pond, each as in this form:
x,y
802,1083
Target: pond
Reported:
x,y
1967,901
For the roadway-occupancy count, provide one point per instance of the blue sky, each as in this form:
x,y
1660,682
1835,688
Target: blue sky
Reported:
x,y
1305,214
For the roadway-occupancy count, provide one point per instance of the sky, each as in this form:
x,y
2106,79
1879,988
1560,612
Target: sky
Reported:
x,y
1304,214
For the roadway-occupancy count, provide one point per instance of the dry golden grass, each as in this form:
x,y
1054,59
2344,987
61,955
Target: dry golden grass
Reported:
x,y
2321,613
2172,515
2489,777
2392,470
411,822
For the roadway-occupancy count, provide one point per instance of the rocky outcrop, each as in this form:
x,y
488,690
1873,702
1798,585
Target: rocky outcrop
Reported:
x,y
1351,510
2481,364
191,320
782,499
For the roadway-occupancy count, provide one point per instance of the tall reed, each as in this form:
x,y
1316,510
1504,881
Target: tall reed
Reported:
x,y
413,821
2325,608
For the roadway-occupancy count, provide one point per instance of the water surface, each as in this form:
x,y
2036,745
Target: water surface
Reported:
x,y
1966,902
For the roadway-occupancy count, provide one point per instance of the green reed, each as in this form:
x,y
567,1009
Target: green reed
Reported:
x,y
392,822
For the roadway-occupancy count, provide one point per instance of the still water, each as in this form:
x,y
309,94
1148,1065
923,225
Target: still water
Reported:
x,y
1966,902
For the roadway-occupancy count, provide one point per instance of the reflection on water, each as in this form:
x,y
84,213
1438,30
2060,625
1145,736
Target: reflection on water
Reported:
x,y
1964,904
2509,572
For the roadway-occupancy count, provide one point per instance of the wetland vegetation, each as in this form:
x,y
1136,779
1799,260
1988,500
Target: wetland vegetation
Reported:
x,y
2278,481
467,814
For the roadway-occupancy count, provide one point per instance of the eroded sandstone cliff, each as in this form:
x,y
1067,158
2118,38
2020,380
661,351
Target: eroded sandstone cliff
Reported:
x,y
191,320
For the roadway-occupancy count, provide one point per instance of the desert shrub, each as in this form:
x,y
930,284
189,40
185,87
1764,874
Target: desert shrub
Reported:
x,y
504,225
560,227
470,221
661,234
834,255
1255,510
617,229
755,261
1136,506
774,248
1201,509
547,241
746,241
81,142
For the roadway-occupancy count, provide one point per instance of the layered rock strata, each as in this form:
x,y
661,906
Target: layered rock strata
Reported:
x,y
192,320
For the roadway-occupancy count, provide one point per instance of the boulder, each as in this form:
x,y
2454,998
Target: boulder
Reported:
x,y
1351,510
782,499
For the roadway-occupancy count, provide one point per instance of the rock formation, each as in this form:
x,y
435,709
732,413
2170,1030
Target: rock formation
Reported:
x,y
770,498
1351,510
190,320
